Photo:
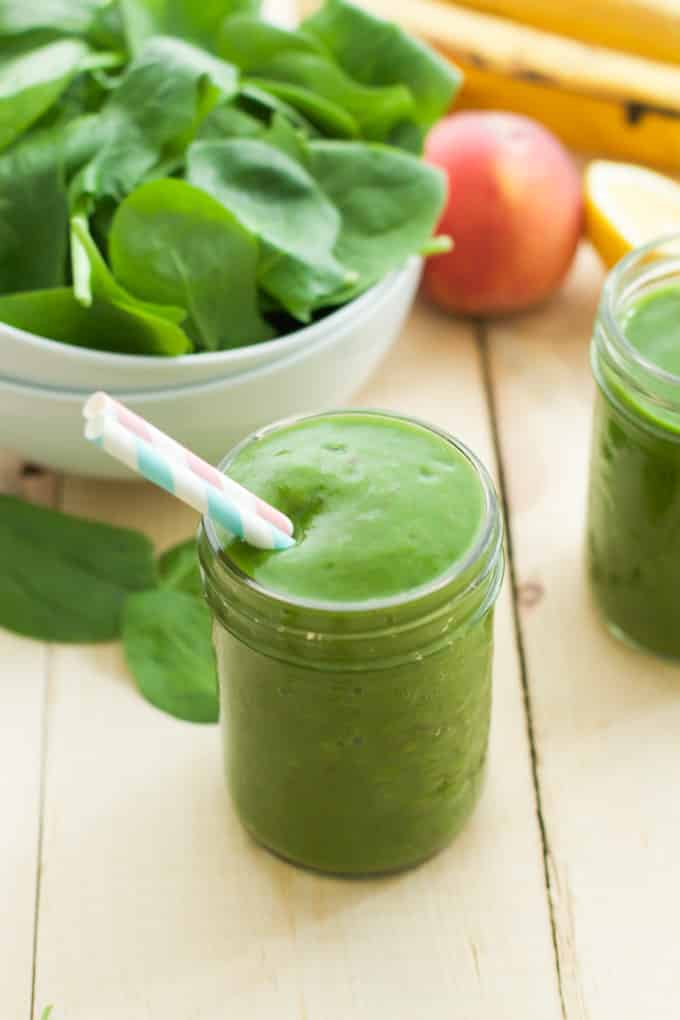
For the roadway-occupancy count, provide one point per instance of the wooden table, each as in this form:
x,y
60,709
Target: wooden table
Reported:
x,y
128,891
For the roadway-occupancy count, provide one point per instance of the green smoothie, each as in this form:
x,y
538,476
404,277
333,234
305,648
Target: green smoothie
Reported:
x,y
634,506
355,667
380,507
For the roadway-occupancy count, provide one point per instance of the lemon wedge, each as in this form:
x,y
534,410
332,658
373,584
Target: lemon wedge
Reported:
x,y
626,206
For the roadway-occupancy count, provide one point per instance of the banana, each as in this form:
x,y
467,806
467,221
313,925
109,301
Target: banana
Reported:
x,y
595,99
650,28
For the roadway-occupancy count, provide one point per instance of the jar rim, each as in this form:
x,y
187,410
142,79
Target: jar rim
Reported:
x,y
610,296
489,531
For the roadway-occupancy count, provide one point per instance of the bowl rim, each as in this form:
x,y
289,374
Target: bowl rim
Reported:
x,y
368,301
218,358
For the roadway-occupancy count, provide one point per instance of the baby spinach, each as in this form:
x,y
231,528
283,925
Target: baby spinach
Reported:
x,y
161,100
66,579
389,203
167,639
170,240
68,17
327,116
178,569
251,43
168,647
103,326
31,82
263,105
33,205
272,54
198,21
377,52
282,135
93,278
227,117
277,199
226,120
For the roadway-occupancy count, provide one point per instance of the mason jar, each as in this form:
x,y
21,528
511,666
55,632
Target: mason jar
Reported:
x,y
633,533
355,734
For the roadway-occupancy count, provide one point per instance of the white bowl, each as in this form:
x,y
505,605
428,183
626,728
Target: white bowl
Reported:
x,y
46,426
34,360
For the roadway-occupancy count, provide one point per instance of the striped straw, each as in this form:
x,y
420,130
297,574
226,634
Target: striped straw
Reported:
x,y
103,404
178,479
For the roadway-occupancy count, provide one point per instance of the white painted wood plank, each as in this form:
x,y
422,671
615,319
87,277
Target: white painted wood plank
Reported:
x,y
606,719
23,670
156,906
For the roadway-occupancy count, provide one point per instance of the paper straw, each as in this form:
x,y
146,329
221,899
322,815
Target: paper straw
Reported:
x,y
102,403
178,479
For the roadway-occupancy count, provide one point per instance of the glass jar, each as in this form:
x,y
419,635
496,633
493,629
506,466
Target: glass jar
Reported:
x,y
355,734
633,540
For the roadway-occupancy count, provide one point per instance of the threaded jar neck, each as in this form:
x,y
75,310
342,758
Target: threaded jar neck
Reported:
x,y
641,389
355,635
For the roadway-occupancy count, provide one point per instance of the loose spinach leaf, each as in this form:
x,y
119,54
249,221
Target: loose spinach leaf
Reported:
x,y
46,1013
179,570
389,202
57,315
378,52
170,240
155,111
33,219
66,579
272,54
31,82
168,647
198,22
277,199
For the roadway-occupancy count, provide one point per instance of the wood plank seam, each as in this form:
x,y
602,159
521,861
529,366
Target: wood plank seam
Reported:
x,y
44,730
548,870
29,472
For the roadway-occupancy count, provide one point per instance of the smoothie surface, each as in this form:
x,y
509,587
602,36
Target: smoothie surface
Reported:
x,y
652,326
381,506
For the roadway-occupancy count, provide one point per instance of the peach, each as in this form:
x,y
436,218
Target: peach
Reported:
x,y
514,211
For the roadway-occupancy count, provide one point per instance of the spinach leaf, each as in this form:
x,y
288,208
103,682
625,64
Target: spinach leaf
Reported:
x,y
327,116
66,579
198,22
277,199
169,239
103,326
272,54
389,202
378,52
179,570
69,17
31,82
168,647
283,136
46,1013
227,121
93,278
251,43
155,111
33,218
263,105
